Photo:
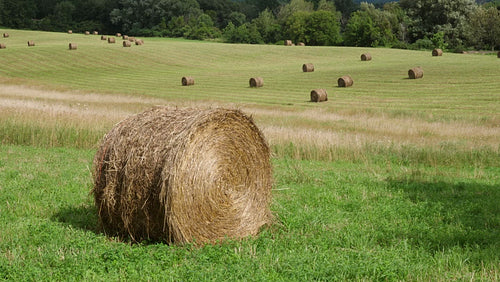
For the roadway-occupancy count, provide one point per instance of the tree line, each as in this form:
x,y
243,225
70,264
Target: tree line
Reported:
x,y
408,24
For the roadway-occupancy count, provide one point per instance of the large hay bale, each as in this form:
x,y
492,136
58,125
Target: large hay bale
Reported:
x,y
103,37
73,46
366,57
256,82
127,43
319,95
139,42
3,46
307,67
415,73
183,175
31,43
437,52
187,81
288,43
345,81
87,32
5,35
111,40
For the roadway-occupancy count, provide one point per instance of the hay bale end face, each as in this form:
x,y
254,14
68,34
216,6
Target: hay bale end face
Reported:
x,y
307,67
345,81
111,40
366,57
256,82
3,46
288,43
31,43
126,43
415,73
437,52
187,81
319,95
73,46
182,176
5,35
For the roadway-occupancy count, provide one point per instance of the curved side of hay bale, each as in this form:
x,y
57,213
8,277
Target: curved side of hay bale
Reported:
x,y
308,67
87,32
31,43
319,95
103,37
301,44
125,37
437,52
111,40
3,46
366,57
118,34
126,43
415,73
70,31
139,42
187,81
131,38
96,33
288,43
5,35
256,82
345,81
183,175
73,46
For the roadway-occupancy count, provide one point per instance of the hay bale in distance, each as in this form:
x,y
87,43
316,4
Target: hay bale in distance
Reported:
x,y
301,44
288,43
70,31
73,46
187,81
126,43
111,40
96,33
256,82
498,55
31,43
5,35
183,175
415,73
125,37
103,37
3,46
308,67
345,81
131,38
319,95
366,57
87,32
118,34
437,52
139,42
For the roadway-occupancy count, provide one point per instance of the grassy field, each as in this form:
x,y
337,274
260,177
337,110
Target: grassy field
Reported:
x,y
391,179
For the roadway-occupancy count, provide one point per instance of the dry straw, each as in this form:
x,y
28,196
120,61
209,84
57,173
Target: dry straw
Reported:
x,y
183,176
111,40
5,35
437,52
125,37
139,42
319,95
301,44
345,81
2,46
256,82
126,43
87,32
31,43
415,73
73,46
187,81
70,31
103,37
96,33
131,39
288,43
366,57
118,34
307,67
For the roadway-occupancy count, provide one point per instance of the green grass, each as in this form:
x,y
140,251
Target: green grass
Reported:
x,y
391,179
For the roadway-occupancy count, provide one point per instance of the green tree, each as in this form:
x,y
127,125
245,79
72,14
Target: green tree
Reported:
x,y
245,33
314,28
485,28
286,11
268,26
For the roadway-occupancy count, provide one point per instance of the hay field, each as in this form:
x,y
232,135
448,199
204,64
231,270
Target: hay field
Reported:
x,y
390,179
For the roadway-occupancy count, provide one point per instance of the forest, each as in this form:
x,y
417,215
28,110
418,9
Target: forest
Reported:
x,y
454,25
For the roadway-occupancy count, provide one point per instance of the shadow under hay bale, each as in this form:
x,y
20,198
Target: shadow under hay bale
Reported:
x,y
256,82
288,43
437,52
111,40
127,43
73,46
183,176
307,67
187,81
31,43
345,81
366,57
5,35
3,46
319,95
415,73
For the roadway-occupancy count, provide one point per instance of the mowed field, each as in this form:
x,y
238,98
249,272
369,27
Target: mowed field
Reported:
x,y
391,179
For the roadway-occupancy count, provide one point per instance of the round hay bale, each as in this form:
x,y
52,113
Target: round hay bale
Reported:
x,y
126,43
187,81
2,46
288,43
256,82
345,81
5,35
131,38
111,40
31,43
307,67
498,54
437,52
118,34
319,95
366,57
301,44
70,31
139,42
87,32
125,37
183,176
415,73
103,37
73,46
96,33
